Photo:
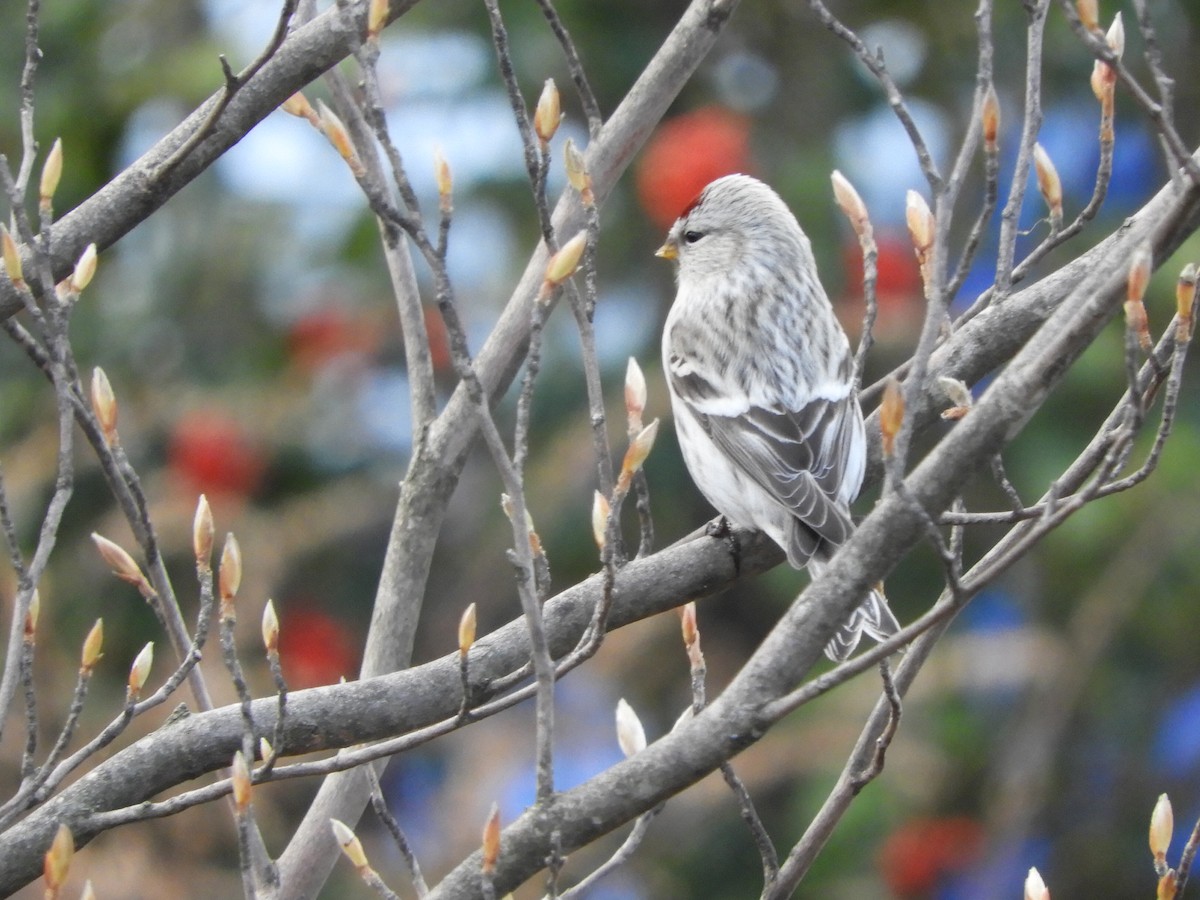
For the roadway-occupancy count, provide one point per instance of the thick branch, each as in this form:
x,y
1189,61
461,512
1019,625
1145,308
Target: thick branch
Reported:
x,y
341,715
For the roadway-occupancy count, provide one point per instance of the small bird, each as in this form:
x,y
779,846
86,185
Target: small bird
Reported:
x,y
761,381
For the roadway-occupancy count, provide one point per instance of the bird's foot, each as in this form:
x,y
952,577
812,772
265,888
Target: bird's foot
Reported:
x,y
721,529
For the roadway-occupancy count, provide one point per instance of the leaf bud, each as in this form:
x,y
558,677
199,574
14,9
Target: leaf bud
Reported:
x,y
631,736
548,112
52,170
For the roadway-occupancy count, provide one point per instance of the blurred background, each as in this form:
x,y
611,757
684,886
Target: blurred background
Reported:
x,y
250,336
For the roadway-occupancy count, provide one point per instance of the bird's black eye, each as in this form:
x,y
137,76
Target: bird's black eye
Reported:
x,y
692,236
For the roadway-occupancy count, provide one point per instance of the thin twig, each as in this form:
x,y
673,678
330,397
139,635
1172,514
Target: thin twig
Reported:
x,y
1006,485
28,648
417,355
865,777
132,709
622,855
126,488
1030,124
984,88
33,55
1185,860
233,665
587,99
281,692
758,831
515,100
233,83
379,804
875,64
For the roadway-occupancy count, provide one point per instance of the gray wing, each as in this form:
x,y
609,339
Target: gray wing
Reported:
x,y
798,456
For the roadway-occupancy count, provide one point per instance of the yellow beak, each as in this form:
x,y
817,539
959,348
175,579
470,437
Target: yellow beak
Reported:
x,y
669,250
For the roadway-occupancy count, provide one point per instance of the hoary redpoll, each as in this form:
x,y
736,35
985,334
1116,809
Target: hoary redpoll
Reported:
x,y
760,375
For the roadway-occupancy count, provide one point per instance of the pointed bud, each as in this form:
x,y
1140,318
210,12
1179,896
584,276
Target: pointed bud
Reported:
x,y
52,170
339,136
600,511
12,259
1185,289
1035,888
1048,183
270,628
1140,265
1089,14
577,173
920,222
1135,309
265,750
297,105
58,858
990,118
631,737
92,646
88,892
349,843
85,269
1116,36
466,630
119,561
850,203
1168,886
639,449
1185,301
1162,827
445,182
230,577
140,670
104,405
562,265
239,774
548,113
377,14
1104,76
635,395
491,841
891,414
921,227
31,616
202,532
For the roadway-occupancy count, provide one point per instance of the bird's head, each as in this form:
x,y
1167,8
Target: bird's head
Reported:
x,y
731,217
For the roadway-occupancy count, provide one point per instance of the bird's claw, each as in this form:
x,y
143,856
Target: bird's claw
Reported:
x,y
721,529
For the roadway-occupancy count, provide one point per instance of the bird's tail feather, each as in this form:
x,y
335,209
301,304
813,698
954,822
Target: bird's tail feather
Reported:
x,y
873,616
